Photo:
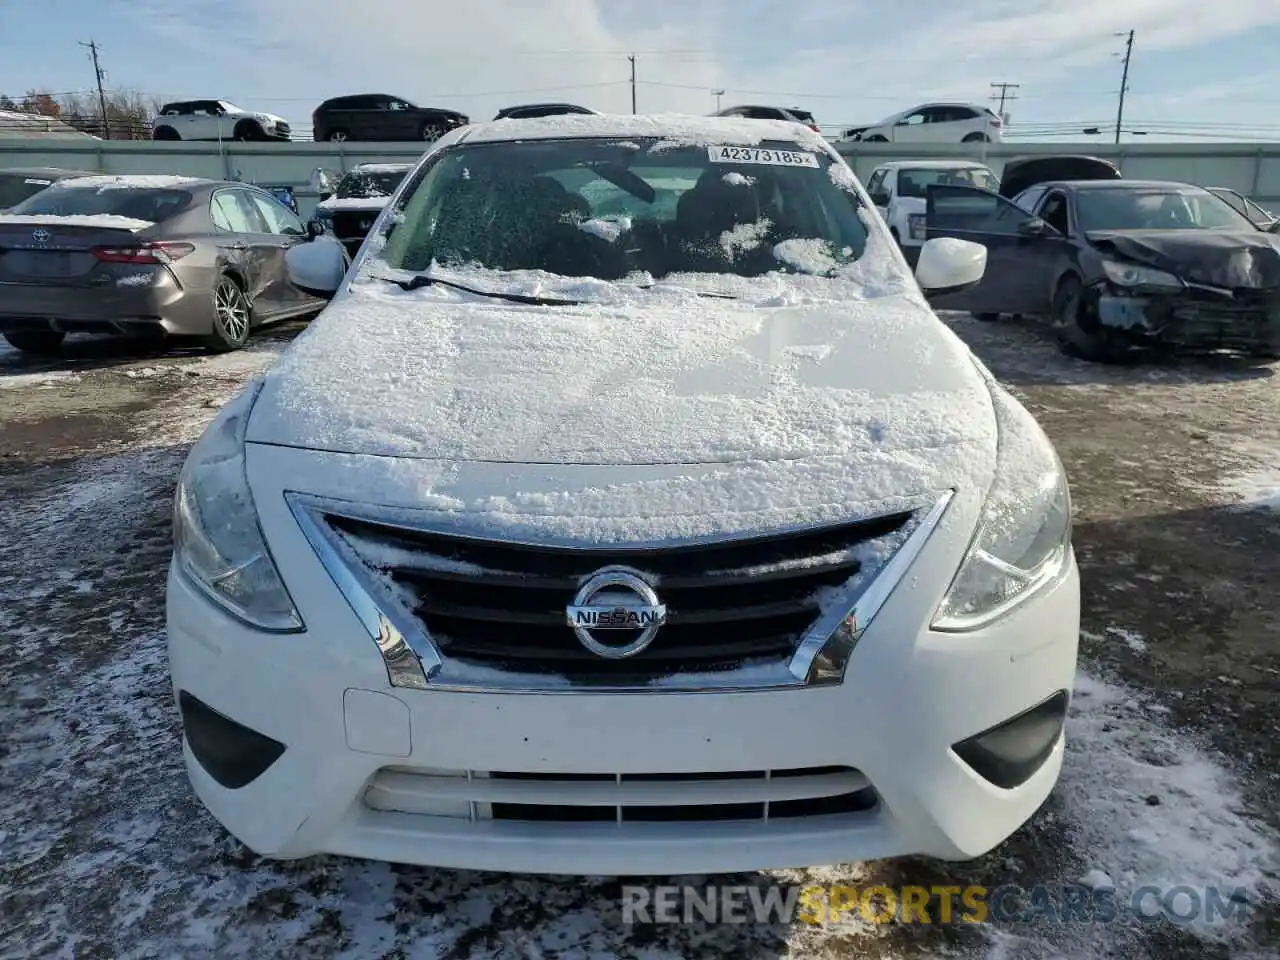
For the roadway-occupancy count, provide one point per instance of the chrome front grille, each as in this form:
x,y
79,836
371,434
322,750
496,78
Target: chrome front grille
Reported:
x,y
456,612
760,795
731,604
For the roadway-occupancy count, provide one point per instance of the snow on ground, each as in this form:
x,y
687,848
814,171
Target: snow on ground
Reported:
x,y
105,852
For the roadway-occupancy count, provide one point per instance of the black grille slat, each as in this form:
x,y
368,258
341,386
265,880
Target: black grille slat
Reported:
x,y
730,603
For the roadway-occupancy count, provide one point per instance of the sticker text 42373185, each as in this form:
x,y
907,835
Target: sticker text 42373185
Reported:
x,y
776,158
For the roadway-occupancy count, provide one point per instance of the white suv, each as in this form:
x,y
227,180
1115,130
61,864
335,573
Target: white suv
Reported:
x,y
216,120
933,123
898,190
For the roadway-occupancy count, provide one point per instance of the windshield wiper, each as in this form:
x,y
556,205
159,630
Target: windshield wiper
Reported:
x,y
420,280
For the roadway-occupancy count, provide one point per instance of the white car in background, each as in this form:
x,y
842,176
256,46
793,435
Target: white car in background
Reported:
x,y
216,120
681,538
934,123
899,189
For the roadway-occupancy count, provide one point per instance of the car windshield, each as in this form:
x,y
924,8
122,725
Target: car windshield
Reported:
x,y
915,181
1156,208
16,187
140,203
608,209
369,184
230,107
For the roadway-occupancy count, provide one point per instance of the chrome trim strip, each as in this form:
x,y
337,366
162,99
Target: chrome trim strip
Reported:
x,y
823,655
413,660
409,655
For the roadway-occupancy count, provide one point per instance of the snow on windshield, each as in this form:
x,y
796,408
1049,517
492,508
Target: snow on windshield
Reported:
x,y
598,208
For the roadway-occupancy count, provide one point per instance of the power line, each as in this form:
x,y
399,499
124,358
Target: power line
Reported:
x,y
1124,83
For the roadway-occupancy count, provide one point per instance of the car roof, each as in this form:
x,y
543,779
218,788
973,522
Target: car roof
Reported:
x,y
1114,184
680,128
932,164
380,168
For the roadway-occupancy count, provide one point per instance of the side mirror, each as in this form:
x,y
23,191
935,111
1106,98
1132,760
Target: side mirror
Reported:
x,y
1035,227
880,198
1274,227
948,265
316,228
317,267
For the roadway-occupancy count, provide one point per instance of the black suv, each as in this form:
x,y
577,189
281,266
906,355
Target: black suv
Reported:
x,y
380,116
527,111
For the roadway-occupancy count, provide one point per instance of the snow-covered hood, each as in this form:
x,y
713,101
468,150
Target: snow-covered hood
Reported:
x,y
352,204
871,385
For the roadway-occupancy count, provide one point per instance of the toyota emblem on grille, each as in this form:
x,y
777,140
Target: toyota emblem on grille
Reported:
x,y
40,235
616,603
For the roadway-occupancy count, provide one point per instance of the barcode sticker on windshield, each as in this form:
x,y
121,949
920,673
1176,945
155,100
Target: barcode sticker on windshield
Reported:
x,y
777,158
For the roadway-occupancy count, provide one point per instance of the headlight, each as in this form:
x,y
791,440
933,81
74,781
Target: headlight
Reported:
x,y
1023,540
916,226
217,542
1129,275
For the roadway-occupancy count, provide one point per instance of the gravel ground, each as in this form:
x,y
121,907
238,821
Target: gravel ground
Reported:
x,y
1172,774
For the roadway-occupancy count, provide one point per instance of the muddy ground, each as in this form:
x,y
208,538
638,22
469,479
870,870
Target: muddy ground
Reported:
x,y
1175,731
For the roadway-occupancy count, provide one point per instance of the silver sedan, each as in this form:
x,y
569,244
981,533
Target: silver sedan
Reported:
x,y
147,256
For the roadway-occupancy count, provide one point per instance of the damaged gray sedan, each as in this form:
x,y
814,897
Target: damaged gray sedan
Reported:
x,y
1119,265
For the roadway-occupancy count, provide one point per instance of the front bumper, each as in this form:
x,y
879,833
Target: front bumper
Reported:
x,y
406,775
1195,319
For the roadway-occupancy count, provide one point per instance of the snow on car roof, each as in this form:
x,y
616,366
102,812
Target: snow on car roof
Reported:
x,y
105,220
681,128
381,167
139,181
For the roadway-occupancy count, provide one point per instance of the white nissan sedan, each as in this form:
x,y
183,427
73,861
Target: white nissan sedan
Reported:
x,y
628,511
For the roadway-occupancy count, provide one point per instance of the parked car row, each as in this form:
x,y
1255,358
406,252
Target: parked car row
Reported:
x,y
369,116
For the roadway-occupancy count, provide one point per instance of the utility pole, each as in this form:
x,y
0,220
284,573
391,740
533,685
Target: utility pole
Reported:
x,y
717,94
1124,81
1000,91
99,73
632,58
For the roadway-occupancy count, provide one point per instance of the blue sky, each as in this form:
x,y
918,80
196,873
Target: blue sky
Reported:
x,y
849,61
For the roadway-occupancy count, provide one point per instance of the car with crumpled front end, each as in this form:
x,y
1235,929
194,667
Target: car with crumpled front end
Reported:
x,y
1120,267
627,511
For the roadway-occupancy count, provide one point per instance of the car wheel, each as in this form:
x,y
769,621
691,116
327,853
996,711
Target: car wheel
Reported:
x,y
986,317
42,342
338,136
976,138
232,316
893,232
165,133
875,138
248,131
1078,335
432,131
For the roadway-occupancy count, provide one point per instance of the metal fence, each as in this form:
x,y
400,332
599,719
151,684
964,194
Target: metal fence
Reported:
x,y
1250,168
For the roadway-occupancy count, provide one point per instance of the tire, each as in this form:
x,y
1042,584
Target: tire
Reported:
x,y
893,232
247,131
229,303
40,342
975,138
165,133
338,136
432,131
1077,337
986,317
875,138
